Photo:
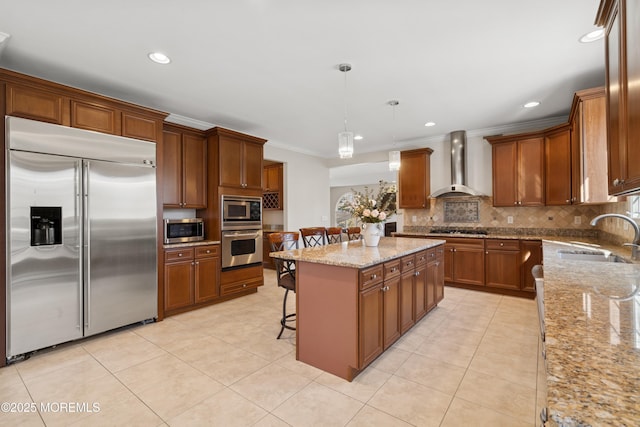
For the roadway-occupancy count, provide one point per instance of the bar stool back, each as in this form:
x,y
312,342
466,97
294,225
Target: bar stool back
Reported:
x,y
313,236
354,233
334,234
286,271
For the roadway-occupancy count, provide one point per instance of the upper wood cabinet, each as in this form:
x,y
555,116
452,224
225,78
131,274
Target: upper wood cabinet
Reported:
x,y
622,71
272,187
589,147
37,104
184,167
558,158
518,169
240,159
414,178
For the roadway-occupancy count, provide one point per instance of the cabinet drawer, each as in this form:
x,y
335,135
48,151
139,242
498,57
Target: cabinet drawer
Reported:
x,y
424,257
207,251
504,244
372,275
178,254
391,269
408,262
439,251
476,242
231,288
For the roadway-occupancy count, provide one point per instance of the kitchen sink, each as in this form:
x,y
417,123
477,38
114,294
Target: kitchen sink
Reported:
x,y
589,255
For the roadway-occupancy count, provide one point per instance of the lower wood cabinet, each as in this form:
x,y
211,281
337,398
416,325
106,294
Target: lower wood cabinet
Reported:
x,y
241,280
191,276
464,261
502,263
407,284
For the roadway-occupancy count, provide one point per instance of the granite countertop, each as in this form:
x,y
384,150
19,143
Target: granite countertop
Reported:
x,y
592,321
355,254
189,244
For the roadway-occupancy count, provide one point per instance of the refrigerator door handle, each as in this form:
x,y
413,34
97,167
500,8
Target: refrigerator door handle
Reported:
x,y
78,215
86,267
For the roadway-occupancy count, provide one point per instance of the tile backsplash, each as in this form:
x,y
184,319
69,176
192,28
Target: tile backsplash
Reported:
x,y
561,220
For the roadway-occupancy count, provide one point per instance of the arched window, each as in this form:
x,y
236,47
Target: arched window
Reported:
x,y
344,219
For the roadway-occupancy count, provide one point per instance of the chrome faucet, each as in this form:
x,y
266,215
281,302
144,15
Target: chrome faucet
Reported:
x,y
635,253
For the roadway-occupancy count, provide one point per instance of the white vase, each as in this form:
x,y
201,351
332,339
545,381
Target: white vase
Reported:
x,y
371,234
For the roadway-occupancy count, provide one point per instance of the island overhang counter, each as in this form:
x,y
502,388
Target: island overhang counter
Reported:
x,y
354,301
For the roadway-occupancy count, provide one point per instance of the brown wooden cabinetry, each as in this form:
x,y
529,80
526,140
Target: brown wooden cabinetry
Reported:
x,y
272,187
190,277
558,158
407,284
622,60
239,159
502,263
518,170
423,292
184,168
464,261
530,256
414,178
438,269
589,147
241,281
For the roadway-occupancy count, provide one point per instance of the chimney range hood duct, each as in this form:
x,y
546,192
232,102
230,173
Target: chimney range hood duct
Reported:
x,y
458,185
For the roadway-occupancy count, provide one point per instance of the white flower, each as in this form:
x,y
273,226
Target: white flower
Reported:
x,y
382,216
366,212
373,202
375,213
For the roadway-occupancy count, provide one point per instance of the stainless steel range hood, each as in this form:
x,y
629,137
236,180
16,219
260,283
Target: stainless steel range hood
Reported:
x,y
458,185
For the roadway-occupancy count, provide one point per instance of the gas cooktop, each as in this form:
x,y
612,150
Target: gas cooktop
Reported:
x,y
459,231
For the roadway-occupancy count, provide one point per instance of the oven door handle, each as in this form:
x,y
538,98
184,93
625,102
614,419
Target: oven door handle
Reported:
x,y
230,236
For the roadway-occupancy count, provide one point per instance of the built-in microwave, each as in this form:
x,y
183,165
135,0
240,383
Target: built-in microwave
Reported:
x,y
241,213
183,230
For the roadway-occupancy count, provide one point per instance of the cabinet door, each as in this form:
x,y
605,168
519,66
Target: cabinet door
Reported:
x,y
531,172
37,105
632,74
503,269
439,271
206,279
614,129
194,171
171,169
557,149
272,178
252,166
531,255
230,165
414,185
371,311
391,316
468,265
423,292
448,263
95,117
140,127
505,176
407,316
178,285
593,146
576,155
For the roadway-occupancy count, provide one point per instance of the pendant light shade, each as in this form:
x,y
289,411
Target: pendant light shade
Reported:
x,y
345,139
345,145
394,160
394,155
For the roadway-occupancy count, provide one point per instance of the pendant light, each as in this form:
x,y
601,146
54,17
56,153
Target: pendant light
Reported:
x,y
394,155
345,139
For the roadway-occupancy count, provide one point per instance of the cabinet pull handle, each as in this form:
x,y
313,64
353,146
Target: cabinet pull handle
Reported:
x,y
374,276
417,273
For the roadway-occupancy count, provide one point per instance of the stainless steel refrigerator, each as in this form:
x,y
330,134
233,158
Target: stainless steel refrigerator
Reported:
x,y
81,234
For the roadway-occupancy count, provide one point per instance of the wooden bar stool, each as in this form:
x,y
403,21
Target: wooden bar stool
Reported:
x,y
354,233
313,236
285,271
334,234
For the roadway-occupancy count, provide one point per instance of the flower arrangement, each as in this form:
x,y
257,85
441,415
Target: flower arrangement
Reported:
x,y
372,208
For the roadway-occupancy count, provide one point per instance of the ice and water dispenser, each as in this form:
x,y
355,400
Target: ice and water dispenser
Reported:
x,y
46,225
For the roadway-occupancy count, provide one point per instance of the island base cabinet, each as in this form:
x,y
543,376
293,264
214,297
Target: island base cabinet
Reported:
x,y
371,302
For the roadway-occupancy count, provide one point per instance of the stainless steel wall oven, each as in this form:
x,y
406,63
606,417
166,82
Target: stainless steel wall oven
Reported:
x,y
241,231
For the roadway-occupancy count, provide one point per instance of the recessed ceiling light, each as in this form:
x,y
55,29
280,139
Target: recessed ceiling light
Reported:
x,y
358,137
592,36
429,124
531,104
159,58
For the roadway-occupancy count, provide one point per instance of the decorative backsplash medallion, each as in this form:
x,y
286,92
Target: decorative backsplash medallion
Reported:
x,y
461,211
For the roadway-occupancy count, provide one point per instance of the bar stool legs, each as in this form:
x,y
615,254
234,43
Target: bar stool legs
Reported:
x,y
286,317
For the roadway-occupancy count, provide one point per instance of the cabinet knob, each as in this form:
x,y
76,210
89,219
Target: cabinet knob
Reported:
x,y
393,269
180,254
374,276
417,273
568,201
616,182
197,262
244,285
501,244
208,251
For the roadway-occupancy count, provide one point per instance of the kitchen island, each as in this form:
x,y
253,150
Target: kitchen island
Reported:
x,y
354,301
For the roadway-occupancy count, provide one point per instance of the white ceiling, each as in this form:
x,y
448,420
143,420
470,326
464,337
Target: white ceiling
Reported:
x,y
269,67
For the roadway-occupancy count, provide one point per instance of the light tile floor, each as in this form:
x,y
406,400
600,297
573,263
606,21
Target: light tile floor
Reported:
x,y
470,362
